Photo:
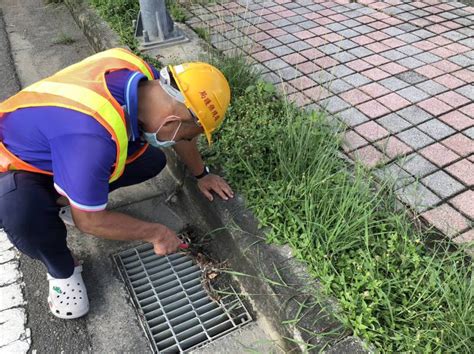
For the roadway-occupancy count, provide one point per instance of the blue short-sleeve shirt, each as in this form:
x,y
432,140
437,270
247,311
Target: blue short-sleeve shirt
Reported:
x,y
74,146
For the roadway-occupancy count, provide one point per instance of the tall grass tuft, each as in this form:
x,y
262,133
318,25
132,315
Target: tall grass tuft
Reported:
x,y
237,71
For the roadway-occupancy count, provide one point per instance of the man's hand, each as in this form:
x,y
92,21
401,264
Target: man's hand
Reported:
x,y
189,154
165,240
214,183
117,226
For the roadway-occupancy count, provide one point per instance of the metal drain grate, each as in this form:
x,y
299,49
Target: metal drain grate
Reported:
x,y
175,310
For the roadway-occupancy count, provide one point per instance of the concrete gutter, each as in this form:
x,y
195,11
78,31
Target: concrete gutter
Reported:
x,y
96,30
277,285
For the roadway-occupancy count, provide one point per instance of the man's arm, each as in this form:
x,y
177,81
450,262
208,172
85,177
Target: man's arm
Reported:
x,y
83,178
189,154
117,226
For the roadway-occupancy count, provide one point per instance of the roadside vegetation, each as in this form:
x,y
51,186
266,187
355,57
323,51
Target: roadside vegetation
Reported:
x,y
120,14
395,293
64,39
176,10
203,33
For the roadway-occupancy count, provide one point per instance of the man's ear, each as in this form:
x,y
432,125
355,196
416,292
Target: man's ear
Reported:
x,y
171,122
168,123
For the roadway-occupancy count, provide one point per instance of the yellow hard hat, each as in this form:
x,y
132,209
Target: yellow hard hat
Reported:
x,y
206,93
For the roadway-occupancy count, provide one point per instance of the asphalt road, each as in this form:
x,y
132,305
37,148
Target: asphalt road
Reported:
x,y
49,334
8,78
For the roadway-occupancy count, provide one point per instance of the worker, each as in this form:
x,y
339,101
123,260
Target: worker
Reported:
x,y
87,130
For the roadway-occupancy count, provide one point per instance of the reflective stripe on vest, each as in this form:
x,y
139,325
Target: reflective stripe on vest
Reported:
x,y
81,87
95,103
125,55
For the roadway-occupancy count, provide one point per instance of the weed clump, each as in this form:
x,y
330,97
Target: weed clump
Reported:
x,y
203,33
176,10
64,39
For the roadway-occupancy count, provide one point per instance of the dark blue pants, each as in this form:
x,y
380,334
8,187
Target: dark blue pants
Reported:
x,y
29,211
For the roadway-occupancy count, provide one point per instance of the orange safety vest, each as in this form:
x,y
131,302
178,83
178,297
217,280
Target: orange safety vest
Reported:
x,y
81,87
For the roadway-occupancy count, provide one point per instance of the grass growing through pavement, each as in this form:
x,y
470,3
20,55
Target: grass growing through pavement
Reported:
x,y
64,39
176,10
394,293
203,33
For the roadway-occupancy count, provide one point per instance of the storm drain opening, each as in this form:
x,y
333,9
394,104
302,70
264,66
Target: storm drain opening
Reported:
x,y
175,310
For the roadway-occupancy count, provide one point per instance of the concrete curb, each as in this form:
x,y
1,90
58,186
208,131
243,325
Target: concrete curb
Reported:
x,y
277,285
97,31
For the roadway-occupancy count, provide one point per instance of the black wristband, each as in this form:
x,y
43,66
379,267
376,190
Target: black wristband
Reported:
x,y
204,173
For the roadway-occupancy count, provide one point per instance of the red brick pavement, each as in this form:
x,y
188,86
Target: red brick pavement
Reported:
x,y
414,66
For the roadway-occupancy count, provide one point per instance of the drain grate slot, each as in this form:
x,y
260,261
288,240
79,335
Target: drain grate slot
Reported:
x,y
176,312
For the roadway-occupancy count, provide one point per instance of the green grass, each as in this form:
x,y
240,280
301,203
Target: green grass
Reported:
x,y
176,10
203,33
64,39
394,292
120,14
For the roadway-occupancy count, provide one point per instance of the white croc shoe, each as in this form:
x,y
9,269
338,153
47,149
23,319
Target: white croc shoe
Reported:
x,y
66,215
67,298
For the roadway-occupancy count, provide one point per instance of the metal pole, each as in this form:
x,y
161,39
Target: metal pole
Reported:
x,y
148,10
155,27
162,21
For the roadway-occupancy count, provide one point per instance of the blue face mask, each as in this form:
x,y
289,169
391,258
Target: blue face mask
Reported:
x,y
153,140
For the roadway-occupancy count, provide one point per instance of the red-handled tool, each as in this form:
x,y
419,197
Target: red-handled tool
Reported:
x,y
184,242
183,246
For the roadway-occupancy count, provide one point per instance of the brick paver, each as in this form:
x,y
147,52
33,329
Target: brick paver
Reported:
x,y
442,184
393,147
439,154
417,165
399,74
458,120
446,219
415,138
460,143
464,171
352,141
418,196
394,123
368,155
463,202
394,175
466,238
